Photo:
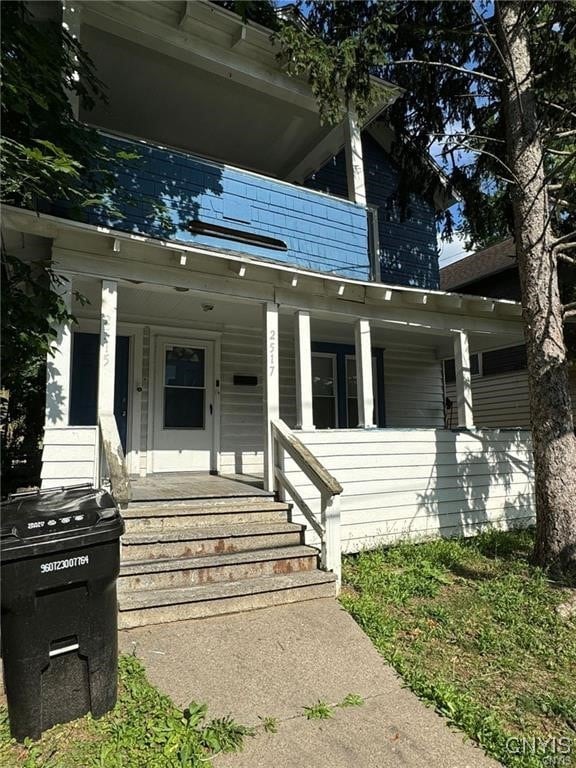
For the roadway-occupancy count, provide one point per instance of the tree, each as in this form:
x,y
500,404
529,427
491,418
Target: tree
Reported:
x,y
45,155
491,84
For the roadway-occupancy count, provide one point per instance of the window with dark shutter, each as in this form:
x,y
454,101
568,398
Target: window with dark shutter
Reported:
x,y
504,360
450,368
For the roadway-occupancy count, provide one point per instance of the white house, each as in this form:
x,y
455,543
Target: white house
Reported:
x,y
263,311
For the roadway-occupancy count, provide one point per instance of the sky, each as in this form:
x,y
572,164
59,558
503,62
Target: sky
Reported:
x,y
452,251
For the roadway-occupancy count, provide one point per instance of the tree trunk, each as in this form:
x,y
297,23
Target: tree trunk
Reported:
x,y
554,442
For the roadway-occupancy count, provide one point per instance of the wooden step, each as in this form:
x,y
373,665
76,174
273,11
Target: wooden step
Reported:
x,y
142,607
208,540
189,515
188,571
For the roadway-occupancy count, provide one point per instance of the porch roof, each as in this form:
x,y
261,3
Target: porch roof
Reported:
x,y
87,250
193,75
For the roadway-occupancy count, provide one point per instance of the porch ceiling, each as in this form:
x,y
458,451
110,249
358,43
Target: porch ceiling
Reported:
x,y
162,305
192,76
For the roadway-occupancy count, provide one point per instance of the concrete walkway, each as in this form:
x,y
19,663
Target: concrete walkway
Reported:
x,y
274,662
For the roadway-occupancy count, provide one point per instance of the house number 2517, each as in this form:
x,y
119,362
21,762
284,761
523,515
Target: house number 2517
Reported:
x,y
272,352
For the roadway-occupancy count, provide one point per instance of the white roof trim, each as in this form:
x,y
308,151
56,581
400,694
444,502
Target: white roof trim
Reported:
x,y
378,293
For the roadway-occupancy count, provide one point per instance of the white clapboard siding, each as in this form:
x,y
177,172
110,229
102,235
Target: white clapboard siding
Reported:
x,y
242,416
503,400
413,390
498,401
69,456
404,483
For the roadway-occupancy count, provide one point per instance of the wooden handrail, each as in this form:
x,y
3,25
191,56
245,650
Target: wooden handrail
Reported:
x,y
305,459
115,460
328,527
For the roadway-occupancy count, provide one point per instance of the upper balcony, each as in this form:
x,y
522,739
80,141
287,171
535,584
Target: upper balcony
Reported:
x,y
176,196
188,81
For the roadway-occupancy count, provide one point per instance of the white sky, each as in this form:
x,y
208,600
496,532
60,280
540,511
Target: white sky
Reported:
x,y
451,251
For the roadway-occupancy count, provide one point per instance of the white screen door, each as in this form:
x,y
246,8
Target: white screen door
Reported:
x,y
183,406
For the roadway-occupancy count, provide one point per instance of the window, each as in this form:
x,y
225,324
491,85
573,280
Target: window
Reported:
x,y
450,368
324,392
184,388
352,392
494,362
504,360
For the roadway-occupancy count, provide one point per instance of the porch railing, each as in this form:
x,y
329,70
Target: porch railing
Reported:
x,y
328,527
113,461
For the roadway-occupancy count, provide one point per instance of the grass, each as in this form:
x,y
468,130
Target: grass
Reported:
x,y
144,729
473,629
321,710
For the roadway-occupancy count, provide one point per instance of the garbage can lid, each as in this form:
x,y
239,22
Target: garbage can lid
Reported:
x,y
55,512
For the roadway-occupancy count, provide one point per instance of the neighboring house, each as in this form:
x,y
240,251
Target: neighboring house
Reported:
x,y
499,376
263,270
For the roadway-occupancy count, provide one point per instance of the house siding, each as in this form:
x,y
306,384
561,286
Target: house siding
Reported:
x,y
503,400
69,456
161,191
418,483
409,252
413,387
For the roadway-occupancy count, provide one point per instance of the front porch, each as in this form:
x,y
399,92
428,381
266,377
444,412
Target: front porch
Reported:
x,y
182,486
331,390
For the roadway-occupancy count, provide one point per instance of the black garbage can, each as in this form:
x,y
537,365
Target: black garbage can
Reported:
x,y
60,558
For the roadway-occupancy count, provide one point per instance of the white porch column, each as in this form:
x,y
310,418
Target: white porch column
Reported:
x,y
59,364
463,380
354,159
364,383
107,358
271,389
303,350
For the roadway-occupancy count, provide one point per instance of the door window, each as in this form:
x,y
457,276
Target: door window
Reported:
x,y
184,388
324,391
352,392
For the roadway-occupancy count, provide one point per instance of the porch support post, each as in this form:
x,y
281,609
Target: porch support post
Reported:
x,y
354,159
364,383
303,350
271,389
107,358
463,380
59,363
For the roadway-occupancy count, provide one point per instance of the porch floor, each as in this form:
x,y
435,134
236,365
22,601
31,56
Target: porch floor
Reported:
x,y
170,486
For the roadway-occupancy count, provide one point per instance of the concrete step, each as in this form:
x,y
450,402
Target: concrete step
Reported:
x,y
189,515
208,540
189,571
165,605
138,508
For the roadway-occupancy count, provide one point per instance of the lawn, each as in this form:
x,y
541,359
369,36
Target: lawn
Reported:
x,y
473,629
145,730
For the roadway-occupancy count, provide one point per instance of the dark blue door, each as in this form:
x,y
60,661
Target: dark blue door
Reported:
x,y
84,385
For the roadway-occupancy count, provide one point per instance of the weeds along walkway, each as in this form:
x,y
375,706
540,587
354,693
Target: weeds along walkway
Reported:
x,y
269,665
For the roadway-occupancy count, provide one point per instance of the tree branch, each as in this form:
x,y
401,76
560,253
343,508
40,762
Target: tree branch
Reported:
x,y
568,259
559,107
564,239
565,247
471,72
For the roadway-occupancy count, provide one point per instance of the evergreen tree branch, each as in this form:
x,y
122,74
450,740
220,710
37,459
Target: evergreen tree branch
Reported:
x,y
445,65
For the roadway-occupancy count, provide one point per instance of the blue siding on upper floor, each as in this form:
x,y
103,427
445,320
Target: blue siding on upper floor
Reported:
x,y
162,190
408,247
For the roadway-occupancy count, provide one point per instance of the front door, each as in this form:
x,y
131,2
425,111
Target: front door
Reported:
x,y
183,406
84,385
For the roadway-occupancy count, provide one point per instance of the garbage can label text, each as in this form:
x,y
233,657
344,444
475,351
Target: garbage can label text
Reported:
x,y
59,565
